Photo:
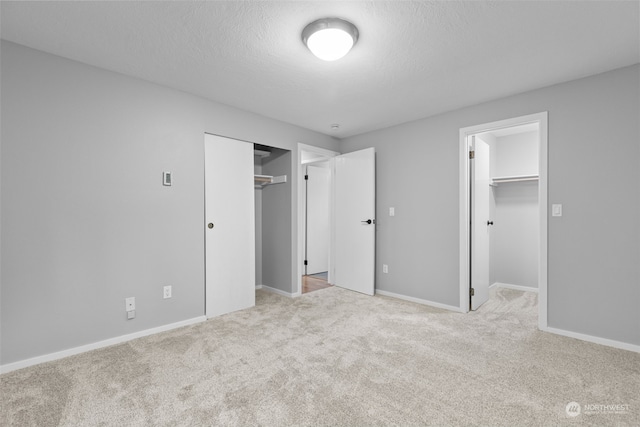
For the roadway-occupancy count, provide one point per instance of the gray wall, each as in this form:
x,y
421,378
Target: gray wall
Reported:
x,y
594,249
515,234
85,219
276,223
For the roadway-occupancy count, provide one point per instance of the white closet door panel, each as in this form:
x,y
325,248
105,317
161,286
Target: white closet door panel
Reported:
x,y
230,243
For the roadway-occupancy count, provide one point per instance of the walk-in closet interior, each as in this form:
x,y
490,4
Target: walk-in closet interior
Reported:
x,y
513,205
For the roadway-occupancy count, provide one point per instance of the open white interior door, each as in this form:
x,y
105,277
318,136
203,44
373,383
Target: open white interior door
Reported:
x,y
229,225
480,223
355,228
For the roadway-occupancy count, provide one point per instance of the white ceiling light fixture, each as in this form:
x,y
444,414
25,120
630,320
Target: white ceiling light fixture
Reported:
x,y
330,38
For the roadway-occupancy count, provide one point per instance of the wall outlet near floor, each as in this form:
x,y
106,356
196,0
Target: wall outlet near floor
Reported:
x,y
167,292
385,268
130,304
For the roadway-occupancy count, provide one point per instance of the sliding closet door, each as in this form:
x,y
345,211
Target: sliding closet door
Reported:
x,y
229,225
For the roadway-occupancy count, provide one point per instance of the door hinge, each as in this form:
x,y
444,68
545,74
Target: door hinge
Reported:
x,y
472,291
472,154
306,262
306,177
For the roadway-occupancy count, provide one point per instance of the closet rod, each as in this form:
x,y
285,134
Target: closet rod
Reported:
x,y
499,180
515,180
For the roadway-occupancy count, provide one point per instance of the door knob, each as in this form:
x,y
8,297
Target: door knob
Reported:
x,y
367,221
210,225
489,222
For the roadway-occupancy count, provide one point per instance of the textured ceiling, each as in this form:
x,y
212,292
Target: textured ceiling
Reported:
x,y
413,59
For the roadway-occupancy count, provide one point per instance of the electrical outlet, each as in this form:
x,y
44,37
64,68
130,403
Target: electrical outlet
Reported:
x,y
130,303
392,211
167,292
385,268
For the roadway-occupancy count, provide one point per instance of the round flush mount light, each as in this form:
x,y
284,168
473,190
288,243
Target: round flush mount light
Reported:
x,y
330,38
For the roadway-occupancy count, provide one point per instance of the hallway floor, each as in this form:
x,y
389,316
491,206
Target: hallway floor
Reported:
x,y
314,282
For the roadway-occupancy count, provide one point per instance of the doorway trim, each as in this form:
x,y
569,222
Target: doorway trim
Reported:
x,y
321,153
465,219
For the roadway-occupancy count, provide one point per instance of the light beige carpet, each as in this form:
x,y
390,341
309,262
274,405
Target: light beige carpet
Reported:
x,y
334,357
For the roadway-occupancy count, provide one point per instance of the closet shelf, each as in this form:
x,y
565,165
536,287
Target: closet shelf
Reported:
x,y
261,181
516,178
261,153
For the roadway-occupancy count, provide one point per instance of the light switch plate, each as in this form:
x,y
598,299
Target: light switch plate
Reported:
x,y
130,303
556,210
392,211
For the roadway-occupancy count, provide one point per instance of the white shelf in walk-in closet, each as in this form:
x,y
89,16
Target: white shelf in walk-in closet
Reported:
x,y
264,180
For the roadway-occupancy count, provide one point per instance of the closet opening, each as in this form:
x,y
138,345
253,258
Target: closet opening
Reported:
x,y
508,215
272,204
503,211
248,216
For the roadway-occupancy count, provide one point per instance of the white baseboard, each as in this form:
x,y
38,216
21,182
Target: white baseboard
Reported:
x,y
96,345
516,287
277,291
595,340
418,300
258,286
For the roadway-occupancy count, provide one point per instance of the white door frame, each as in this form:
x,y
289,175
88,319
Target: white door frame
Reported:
x,y
542,120
321,152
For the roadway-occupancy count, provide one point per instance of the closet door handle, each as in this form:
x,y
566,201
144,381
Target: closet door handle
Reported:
x,y
367,221
210,225
489,222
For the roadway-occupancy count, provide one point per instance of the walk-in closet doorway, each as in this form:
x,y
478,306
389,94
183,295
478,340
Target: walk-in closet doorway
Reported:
x,y
503,214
